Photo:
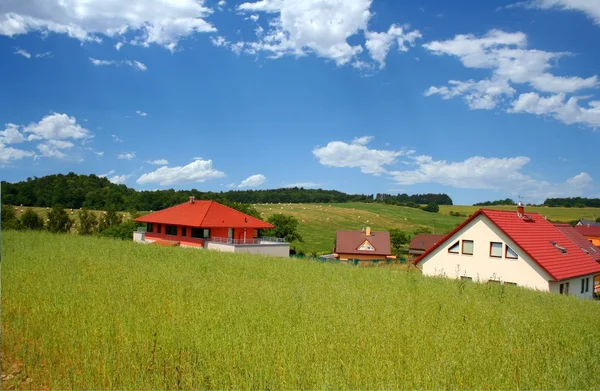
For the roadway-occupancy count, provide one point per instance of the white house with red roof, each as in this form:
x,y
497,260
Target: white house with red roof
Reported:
x,y
512,248
210,225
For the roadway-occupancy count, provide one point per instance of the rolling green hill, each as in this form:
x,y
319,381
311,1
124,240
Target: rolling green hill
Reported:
x,y
93,313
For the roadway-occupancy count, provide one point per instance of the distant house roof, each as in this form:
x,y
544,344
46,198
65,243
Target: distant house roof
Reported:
x,y
424,241
348,242
588,231
534,235
204,214
588,222
580,240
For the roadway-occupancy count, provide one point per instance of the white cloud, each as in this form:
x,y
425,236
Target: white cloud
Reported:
x,y
134,64
119,45
158,162
509,60
304,26
502,174
11,135
143,22
379,44
370,161
57,127
364,140
118,179
8,153
23,53
116,138
107,174
99,153
590,7
301,184
43,55
197,171
569,111
126,156
253,181
141,113
54,148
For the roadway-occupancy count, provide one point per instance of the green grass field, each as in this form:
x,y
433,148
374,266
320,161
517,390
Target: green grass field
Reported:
x,y
94,313
554,214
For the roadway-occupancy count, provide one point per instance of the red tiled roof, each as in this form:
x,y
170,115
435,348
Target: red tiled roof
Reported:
x,y
580,241
588,230
424,241
533,236
204,214
348,242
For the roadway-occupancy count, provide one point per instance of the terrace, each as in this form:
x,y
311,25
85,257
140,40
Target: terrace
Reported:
x,y
264,245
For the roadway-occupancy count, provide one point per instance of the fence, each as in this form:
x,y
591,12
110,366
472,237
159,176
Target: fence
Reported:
x,y
241,242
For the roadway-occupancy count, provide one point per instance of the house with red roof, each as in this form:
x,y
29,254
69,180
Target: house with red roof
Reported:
x,y
366,247
512,247
210,225
591,233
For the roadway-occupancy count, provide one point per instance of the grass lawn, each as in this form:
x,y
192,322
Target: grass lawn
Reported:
x,y
95,313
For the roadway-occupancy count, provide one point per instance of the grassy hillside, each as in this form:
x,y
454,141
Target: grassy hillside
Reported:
x,y
554,214
93,313
320,221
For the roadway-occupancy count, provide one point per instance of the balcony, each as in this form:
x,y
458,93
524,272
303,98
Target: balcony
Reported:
x,y
247,241
265,246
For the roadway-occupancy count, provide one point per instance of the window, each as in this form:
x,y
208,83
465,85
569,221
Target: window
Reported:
x,y
158,226
454,248
366,246
467,247
559,248
200,233
564,288
510,283
585,285
183,231
171,230
497,282
149,227
509,253
582,285
466,278
496,250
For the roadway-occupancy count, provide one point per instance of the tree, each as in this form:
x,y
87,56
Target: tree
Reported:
x,y
398,238
32,220
432,207
598,220
109,219
87,222
58,220
285,227
123,231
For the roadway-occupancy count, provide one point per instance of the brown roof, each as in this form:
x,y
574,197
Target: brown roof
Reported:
x,y
424,241
579,240
588,230
348,242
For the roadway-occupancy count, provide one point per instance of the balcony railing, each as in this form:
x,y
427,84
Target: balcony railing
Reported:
x,y
241,242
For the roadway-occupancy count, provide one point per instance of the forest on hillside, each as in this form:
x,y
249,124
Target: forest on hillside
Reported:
x,y
94,192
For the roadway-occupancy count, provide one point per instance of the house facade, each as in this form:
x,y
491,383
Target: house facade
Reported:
x,y
513,248
591,233
365,246
209,225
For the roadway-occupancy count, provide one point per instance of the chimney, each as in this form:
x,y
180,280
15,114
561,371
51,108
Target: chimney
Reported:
x,y
368,231
192,198
520,209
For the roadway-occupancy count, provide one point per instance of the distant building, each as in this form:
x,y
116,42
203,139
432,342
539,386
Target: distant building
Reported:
x,y
588,223
580,240
365,246
591,233
209,225
423,242
506,247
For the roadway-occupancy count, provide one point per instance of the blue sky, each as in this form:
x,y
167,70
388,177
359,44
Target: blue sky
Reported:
x,y
480,100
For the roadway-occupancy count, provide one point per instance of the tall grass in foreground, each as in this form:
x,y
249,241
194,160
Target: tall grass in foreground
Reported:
x,y
93,313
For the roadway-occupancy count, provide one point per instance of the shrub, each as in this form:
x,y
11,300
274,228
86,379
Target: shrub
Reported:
x,y
31,220
9,218
285,227
432,207
123,231
109,219
58,220
87,222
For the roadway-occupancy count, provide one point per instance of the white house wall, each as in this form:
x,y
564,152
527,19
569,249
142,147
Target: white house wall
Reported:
x,y
480,266
575,287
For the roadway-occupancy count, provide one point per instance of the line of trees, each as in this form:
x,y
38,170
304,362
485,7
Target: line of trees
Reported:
x,y
506,201
574,202
93,192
